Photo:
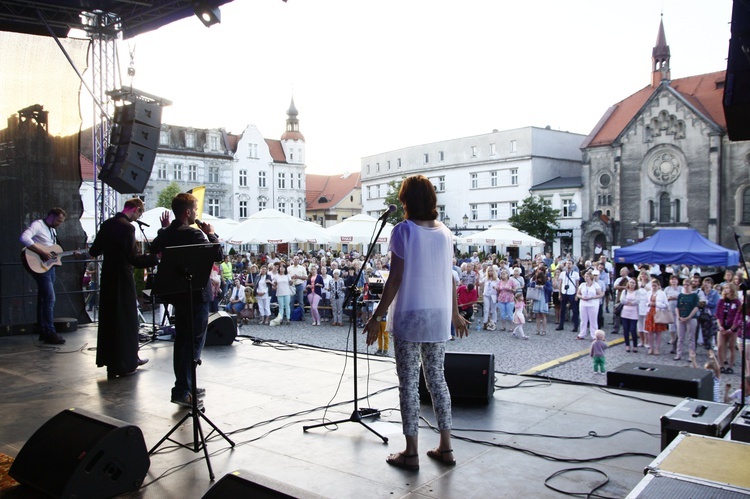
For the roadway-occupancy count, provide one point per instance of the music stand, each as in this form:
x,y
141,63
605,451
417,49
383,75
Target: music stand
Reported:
x,y
179,267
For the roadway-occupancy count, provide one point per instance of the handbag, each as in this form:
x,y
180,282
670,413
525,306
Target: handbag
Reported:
x,y
663,316
535,293
618,308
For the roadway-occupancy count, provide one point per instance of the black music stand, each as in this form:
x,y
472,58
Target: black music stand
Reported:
x,y
179,267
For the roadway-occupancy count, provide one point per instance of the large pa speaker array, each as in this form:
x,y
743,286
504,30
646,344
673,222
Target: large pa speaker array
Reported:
x,y
737,84
134,140
81,454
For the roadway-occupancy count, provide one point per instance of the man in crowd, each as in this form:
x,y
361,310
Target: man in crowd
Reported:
x,y
568,287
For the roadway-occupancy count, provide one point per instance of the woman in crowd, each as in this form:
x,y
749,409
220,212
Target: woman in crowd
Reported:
x,y
420,298
540,307
708,300
337,291
236,298
673,291
589,296
629,315
657,301
314,293
644,293
263,284
506,290
729,321
687,309
489,285
282,284
556,281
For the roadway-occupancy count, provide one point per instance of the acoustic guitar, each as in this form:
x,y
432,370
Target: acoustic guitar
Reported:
x,y
34,263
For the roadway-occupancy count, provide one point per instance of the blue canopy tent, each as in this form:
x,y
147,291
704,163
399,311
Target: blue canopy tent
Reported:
x,y
683,246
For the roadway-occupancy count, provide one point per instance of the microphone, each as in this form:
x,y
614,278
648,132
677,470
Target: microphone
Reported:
x,y
142,224
391,209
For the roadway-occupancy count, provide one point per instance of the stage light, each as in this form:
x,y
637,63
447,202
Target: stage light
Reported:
x,y
207,14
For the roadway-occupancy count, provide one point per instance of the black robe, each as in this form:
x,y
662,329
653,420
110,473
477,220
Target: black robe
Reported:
x,y
117,339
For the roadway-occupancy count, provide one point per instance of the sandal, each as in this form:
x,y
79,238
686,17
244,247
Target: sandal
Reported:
x,y
399,461
729,370
437,455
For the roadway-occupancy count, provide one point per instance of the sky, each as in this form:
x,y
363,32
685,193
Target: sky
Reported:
x,y
372,77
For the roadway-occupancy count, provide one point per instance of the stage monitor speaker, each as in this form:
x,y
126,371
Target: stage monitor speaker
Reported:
x,y
222,329
147,113
244,483
470,377
81,454
128,168
667,380
737,82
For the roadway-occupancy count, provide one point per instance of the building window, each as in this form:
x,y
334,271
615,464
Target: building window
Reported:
x,y
367,169
252,151
243,178
493,211
398,163
426,158
214,142
213,207
665,208
261,204
243,209
164,138
177,172
547,200
567,210
514,176
677,211
282,180
473,151
161,171
440,184
493,149
190,140
441,212
513,146
282,206
299,209
299,181
193,173
213,174
441,156
377,167
513,208
261,179
388,164
651,211
474,181
369,192
474,212
291,209
493,179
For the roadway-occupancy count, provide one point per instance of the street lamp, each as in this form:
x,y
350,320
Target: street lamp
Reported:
x,y
456,228
641,227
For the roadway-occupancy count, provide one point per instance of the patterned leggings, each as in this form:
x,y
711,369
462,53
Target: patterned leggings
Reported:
x,y
432,356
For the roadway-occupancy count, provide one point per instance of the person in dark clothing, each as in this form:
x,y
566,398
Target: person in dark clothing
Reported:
x,y
187,349
117,337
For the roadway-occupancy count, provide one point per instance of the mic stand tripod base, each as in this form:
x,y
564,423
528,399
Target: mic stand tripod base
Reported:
x,y
357,416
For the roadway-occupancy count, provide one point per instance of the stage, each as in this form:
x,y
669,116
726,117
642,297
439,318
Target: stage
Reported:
x,y
261,394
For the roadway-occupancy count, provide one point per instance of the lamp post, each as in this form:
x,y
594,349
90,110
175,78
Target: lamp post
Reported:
x,y
641,228
456,229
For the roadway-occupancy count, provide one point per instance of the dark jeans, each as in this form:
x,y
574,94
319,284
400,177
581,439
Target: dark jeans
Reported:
x,y
569,300
630,331
45,300
188,348
298,296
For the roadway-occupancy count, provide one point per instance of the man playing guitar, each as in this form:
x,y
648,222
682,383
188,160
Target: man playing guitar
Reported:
x,y
38,237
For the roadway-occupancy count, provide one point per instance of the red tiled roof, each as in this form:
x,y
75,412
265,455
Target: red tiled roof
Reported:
x,y
332,188
704,92
87,169
277,152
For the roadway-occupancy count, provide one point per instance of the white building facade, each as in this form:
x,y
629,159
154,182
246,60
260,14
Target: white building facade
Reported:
x,y
483,177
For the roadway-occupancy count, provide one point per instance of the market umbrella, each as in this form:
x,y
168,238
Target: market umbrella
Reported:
x,y
501,235
358,229
273,227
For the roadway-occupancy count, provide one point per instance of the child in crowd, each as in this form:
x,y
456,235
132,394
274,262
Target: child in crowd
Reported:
x,y
713,366
518,319
736,395
598,346
384,338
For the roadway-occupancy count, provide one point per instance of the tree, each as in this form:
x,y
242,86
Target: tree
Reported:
x,y
536,218
167,194
392,199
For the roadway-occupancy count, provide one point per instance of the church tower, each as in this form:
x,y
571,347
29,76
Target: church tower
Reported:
x,y
660,58
292,141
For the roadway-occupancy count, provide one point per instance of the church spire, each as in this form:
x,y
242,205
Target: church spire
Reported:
x,y
292,124
660,57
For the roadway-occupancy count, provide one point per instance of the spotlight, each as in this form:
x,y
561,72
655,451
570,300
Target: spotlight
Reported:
x,y
207,14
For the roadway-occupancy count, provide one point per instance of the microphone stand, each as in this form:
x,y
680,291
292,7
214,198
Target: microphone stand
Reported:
x,y
357,414
152,298
743,288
